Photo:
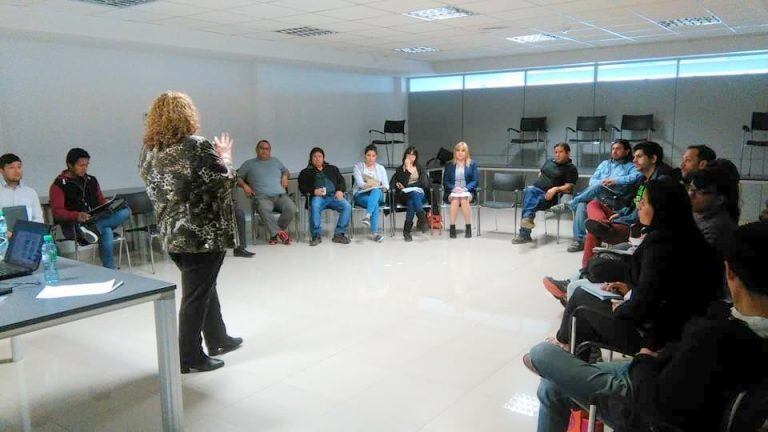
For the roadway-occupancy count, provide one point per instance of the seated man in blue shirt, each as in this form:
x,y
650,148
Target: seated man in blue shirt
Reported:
x,y
14,192
611,183
557,176
325,186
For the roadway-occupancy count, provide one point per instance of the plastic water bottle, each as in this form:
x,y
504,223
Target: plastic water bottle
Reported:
x,y
50,272
3,235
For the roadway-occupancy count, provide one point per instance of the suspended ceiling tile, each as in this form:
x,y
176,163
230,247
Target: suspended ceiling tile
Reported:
x,y
311,19
264,10
354,12
314,5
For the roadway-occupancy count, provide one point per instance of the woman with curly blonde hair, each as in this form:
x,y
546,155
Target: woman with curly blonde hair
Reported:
x,y
189,181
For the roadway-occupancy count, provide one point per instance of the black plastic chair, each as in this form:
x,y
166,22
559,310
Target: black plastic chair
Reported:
x,y
142,208
529,125
393,129
635,123
506,183
589,130
759,124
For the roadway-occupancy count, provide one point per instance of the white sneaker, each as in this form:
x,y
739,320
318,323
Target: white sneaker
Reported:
x,y
367,220
378,238
88,235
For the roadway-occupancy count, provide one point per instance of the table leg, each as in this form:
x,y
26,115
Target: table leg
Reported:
x,y
17,353
168,361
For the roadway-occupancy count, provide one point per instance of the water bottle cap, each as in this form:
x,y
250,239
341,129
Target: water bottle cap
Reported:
x,y
48,238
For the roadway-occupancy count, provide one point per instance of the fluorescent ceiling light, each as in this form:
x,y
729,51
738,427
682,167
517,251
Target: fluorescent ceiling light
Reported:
x,y
690,21
117,3
305,31
539,37
439,13
416,50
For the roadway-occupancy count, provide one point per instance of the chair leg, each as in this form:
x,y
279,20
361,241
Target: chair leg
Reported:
x,y
127,254
557,241
592,418
151,255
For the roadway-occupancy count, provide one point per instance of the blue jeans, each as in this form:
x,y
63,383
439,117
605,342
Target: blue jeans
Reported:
x,y
370,201
106,239
566,378
414,203
318,204
532,197
579,221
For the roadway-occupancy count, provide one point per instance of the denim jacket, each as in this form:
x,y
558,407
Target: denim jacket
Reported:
x,y
624,173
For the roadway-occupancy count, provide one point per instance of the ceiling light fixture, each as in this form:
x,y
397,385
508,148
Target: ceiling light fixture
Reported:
x,y
442,13
305,31
534,38
416,50
116,3
690,21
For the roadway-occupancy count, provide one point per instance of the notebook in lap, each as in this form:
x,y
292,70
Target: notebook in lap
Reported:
x,y
23,254
13,214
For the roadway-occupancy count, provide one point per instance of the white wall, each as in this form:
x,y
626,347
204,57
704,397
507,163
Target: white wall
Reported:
x,y
57,95
300,108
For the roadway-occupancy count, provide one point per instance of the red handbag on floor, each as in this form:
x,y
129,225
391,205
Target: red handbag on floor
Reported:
x,y
434,222
580,422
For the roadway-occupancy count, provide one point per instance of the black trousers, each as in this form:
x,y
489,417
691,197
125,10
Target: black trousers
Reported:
x,y
598,324
200,309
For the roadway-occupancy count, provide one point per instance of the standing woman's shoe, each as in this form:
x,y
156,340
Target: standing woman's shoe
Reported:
x,y
452,231
468,231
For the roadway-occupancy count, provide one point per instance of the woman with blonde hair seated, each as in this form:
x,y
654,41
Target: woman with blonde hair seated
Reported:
x,y
460,184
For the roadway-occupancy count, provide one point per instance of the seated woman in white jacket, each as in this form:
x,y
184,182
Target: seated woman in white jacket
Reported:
x,y
370,189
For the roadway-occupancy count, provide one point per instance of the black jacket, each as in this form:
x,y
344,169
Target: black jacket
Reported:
x,y
691,383
673,277
307,178
402,176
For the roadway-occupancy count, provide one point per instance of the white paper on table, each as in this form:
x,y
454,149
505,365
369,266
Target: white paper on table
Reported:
x,y
412,189
59,291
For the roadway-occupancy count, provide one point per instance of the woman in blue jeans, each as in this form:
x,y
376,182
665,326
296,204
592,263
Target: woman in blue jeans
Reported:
x,y
411,184
370,189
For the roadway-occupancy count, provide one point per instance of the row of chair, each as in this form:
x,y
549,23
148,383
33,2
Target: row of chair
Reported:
x,y
591,130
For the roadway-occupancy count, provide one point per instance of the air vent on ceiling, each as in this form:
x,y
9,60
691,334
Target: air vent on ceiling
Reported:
x,y
416,50
690,21
305,31
439,13
116,3
533,38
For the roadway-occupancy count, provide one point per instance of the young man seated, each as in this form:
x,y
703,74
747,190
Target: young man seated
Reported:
x,y
73,194
611,183
687,384
14,192
557,176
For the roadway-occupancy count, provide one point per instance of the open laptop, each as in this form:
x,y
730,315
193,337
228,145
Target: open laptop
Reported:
x,y
23,254
13,214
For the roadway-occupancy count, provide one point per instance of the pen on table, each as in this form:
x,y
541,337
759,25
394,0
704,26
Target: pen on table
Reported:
x,y
118,285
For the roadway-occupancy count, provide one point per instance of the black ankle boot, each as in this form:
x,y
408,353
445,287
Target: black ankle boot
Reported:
x,y
452,231
421,222
407,231
468,231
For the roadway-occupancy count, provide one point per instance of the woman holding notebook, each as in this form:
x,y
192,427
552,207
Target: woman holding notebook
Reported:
x,y
370,189
656,304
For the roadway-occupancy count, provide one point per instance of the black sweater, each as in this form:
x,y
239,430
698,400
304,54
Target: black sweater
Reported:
x,y
402,176
307,178
673,278
692,382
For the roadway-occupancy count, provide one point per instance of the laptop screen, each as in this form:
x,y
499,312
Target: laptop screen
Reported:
x,y
24,247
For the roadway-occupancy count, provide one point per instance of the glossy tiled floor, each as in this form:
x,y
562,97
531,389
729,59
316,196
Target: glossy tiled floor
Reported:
x,y
368,337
